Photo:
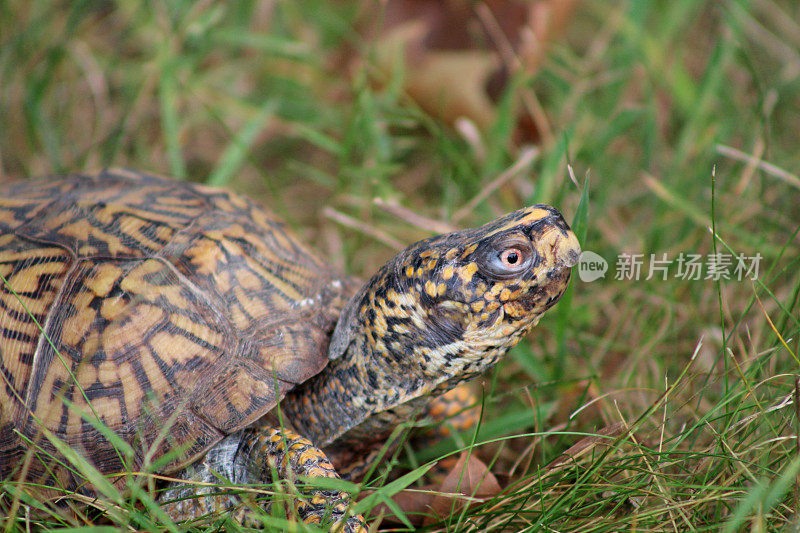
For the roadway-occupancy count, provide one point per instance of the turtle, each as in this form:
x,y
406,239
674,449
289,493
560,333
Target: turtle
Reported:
x,y
192,325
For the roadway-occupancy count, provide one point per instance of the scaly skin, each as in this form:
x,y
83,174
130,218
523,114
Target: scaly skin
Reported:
x,y
250,456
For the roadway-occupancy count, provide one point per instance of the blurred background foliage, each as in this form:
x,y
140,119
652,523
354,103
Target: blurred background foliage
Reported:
x,y
368,125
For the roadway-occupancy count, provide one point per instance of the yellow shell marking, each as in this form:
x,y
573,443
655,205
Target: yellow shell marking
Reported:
x,y
136,283
132,227
270,278
76,326
199,330
113,308
254,307
113,208
27,280
122,334
102,279
81,230
207,255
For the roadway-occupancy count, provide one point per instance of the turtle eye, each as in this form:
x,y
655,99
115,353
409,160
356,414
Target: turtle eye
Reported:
x,y
511,257
505,260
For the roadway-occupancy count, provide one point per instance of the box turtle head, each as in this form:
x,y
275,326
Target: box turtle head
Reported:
x,y
439,313
455,303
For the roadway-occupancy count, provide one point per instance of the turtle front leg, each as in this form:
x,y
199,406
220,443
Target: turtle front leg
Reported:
x,y
250,457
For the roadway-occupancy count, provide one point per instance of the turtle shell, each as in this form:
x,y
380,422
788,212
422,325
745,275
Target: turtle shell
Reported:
x,y
173,313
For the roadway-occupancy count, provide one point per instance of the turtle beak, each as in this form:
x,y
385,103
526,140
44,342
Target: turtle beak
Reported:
x,y
557,243
567,250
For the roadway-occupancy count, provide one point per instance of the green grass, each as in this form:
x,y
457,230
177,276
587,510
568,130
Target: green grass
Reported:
x,y
644,100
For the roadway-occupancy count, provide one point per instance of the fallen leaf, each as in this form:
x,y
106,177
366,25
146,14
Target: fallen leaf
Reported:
x,y
457,56
469,477
415,504
469,482
604,437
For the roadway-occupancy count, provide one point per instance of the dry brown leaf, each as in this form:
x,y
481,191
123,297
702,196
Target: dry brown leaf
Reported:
x,y
469,477
446,83
468,482
415,504
456,55
604,437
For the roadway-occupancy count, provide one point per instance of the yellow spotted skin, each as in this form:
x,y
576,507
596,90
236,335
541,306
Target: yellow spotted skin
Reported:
x,y
180,316
439,313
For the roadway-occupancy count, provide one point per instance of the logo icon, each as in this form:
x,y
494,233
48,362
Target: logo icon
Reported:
x,y
591,267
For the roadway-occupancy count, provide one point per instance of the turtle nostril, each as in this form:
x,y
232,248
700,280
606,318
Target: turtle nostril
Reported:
x,y
572,258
